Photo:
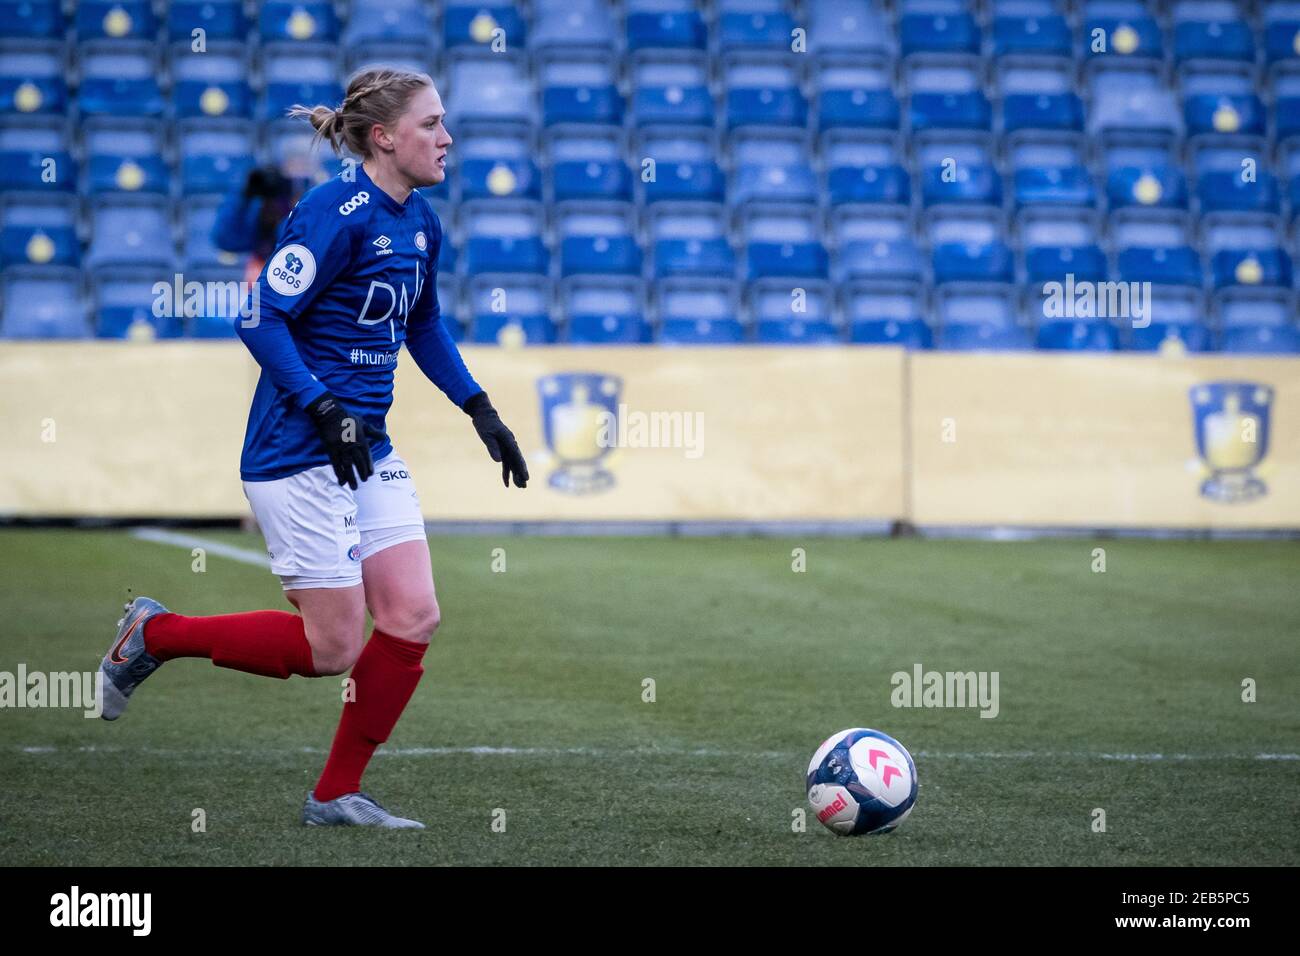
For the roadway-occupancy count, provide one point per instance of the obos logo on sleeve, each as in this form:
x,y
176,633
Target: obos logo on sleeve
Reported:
x,y
292,270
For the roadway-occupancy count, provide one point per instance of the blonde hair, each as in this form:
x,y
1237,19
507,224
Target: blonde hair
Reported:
x,y
375,95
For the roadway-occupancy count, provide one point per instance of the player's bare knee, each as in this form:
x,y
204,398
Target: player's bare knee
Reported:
x,y
335,657
413,622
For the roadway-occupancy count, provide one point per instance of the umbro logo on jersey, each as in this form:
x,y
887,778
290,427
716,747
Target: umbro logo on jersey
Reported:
x,y
384,244
355,203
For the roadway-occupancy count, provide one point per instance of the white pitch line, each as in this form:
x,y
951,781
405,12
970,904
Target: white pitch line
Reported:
x,y
485,751
189,542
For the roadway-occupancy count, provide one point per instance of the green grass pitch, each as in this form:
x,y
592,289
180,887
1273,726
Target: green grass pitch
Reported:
x,y
1119,690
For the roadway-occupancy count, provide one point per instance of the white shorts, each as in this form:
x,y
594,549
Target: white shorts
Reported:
x,y
318,532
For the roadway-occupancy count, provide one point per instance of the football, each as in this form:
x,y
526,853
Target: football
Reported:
x,y
861,781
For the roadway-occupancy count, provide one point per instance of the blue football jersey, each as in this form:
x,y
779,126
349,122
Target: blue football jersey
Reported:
x,y
352,277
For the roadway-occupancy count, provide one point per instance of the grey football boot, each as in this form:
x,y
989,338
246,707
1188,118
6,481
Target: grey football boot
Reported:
x,y
352,809
127,663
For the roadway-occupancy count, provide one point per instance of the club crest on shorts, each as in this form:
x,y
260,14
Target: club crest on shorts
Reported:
x,y
354,553
579,413
1231,422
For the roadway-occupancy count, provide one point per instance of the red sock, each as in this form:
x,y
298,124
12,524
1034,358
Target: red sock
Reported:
x,y
270,643
385,676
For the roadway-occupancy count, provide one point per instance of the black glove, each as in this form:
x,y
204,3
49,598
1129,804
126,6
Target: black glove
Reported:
x,y
346,438
500,441
266,182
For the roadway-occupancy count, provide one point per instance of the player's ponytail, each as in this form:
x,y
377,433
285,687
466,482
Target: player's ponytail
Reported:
x,y
378,95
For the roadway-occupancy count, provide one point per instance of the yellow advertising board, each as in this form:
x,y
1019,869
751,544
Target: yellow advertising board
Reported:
x,y
127,429
113,429
1089,440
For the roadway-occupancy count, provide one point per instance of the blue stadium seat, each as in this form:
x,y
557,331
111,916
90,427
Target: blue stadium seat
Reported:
x,y
872,184
31,19
218,19
796,332
500,179
1243,306
1175,265
34,155
125,156
1131,102
783,241
811,301
973,261
962,184
1262,340
664,25
1211,31
592,179
886,313
399,22
116,20
119,78
131,230
698,312
1135,35
855,95
1068,186
469,25
511,310
766,30
1162,336
671,87
1177,313
983,337
690,240
770,167
1240,114
305,73
879,259
504,236
585,24
1031,35
1229,192
1078,335
580,90
214,155
39,231
1162,187
597,239
912,334
42,302
604,310
1281,32
681,180
938,33
1042,111
763,92
32,77
1054,263
490,87
1251,267
298,21
848,26
955,109
212,83
123,307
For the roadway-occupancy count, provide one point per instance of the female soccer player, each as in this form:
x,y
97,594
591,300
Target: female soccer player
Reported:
x,y
352,277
